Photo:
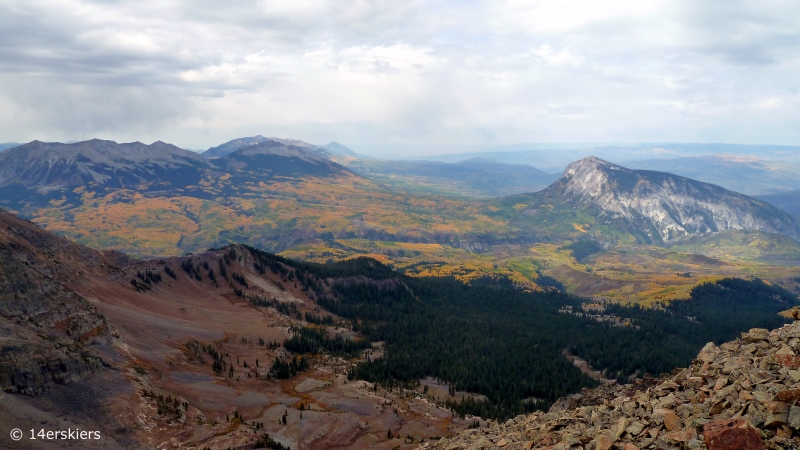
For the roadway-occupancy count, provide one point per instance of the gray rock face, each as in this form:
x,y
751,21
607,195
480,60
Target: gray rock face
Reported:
x,y
661,207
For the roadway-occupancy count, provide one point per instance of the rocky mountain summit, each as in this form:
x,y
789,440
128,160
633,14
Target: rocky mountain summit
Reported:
x,y
741,395
660,207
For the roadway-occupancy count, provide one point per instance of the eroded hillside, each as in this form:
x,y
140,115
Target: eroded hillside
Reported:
x,y
185,352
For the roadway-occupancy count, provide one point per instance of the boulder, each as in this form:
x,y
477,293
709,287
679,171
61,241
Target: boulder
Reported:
x,y
731,435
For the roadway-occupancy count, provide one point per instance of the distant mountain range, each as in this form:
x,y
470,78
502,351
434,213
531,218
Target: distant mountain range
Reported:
x,y
158,201
773,176
162,167
477,177
52,165
270,158
742,173
280,193
555,157
333,148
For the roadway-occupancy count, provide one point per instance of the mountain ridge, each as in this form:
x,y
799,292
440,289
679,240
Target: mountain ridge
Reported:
x,y
7,145
332,148
131,348
64,337
101,162
280,159
661,207
41,167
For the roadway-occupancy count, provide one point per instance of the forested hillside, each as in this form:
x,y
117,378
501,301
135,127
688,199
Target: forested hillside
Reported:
x,y
491,338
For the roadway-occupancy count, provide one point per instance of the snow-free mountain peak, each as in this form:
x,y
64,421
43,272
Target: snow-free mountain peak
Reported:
x,y
333,148
661,207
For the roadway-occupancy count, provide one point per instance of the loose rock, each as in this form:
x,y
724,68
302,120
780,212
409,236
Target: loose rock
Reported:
x,y
741,395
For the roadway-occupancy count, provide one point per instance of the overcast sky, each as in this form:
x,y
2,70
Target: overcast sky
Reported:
x,y
383,76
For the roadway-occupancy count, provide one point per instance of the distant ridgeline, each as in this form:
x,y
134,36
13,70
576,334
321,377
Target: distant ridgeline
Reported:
x,y
491,338
158,200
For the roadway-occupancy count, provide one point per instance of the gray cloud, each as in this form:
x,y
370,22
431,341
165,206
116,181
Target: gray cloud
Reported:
x,y
383,74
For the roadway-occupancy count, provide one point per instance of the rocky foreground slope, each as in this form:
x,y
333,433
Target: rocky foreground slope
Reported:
x,y
49,334
180,353
741,395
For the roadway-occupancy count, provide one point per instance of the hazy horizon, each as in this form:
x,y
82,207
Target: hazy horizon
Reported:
x,y
554,157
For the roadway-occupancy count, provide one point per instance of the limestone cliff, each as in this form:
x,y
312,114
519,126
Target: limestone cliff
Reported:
x,y
660,207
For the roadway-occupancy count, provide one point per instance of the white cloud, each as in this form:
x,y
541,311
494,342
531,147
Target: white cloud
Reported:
x,y
559,58
563,16
369,73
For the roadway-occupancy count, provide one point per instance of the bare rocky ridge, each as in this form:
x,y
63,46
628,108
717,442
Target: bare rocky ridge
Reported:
x,y
31,169
661,207
52,164
741,395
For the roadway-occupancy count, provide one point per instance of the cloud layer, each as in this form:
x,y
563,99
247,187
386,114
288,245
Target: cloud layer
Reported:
x,y
382,75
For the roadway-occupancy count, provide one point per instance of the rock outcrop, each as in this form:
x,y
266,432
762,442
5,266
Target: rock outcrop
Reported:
x,y
49,334
743,394
661,207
